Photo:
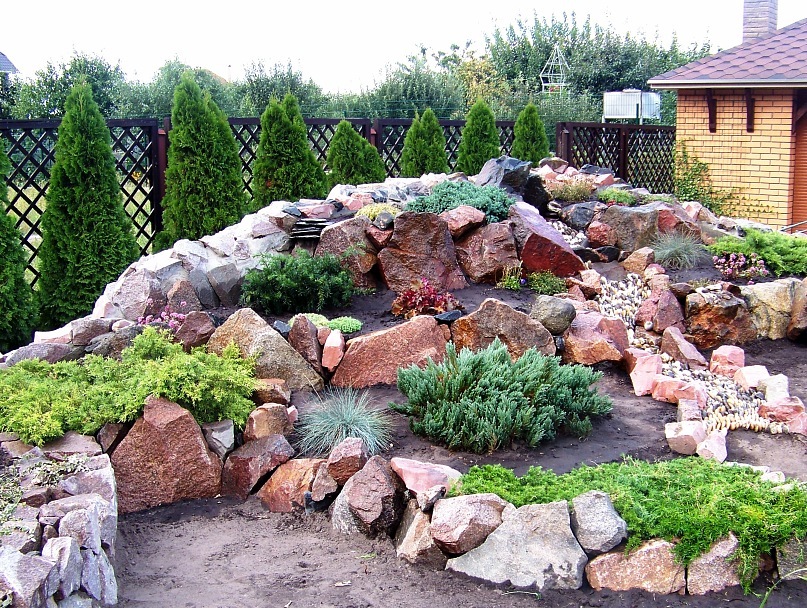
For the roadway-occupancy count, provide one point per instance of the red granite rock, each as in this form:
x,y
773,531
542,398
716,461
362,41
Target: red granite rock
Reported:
x,y
334,350
351,235
726,360
652,567
672,390
347,459
717,318
286,488
271,390
164,459
487,252
676,345
303,338
669,312
195,330
684,437
182,297
600,235
750,376
716,569
462,219
592,338
253,460
462,523
420,476
541,247
640,259
323,485
267,420
782,410
375,497
379,238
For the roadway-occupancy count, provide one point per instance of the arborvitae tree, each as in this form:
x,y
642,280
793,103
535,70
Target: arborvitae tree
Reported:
x,y
530,141
87,238
480,139
204,190
285,166
424,148
352,159
17,309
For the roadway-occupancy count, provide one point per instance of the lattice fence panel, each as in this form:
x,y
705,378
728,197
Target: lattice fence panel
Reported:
x,y
506,137
392,141
247,136
650,160
595,147
453,135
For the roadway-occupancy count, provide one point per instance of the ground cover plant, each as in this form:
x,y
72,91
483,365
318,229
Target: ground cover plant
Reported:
x,y
690,501
678,250
287,283
352,159
492,201
87,238
41,401
424,148
480,139
480,401
423,298
571,192
530,141
616,196
545,283
373,210
347,325
783,254
343,413
732,266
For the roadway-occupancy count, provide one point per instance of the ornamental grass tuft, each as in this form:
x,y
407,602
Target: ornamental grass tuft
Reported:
x,y
679,250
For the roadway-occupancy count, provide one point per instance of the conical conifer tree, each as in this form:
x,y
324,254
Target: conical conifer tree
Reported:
x,y
480,139
530,142
285,166
424,148
87,238
352,159
204,190
17,309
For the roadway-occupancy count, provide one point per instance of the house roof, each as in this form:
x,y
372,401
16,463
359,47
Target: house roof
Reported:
x,y
6,65
778,60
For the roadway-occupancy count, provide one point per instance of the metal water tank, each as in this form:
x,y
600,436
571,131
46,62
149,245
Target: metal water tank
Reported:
x,y
631,104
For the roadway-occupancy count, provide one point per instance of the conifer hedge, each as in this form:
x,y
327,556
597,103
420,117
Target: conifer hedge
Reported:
x,y
480,139
424,148
17,309
285,165
204,190
530,141
87,238
352,159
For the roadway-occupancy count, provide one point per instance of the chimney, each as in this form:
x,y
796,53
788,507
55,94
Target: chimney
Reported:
x,y
759,18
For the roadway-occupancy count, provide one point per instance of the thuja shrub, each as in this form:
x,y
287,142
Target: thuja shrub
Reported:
x,y
783,254
424,148
481,401
17,307
480,139
41,402
87,238
530,141
692,502
204,190
493,201
286,283
285,167
352,159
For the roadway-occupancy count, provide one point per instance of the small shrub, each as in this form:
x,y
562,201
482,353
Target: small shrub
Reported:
x,y
373,210
424,148
480,139
343,413
678,250
492,201
347,325
733,266
576,191
481,401
285,283
530,141
615,196
783,254
545,283
512,278
423,299
352,159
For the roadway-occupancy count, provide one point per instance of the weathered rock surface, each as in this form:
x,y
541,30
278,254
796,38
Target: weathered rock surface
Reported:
x,y
684,437
504,172
637,226
462,523
286,488
494,319
195,330
541,247
98,578
714,446
271,390
70,444
676,345
164,459
555,314
533,548
797,327
639,260
220,437
770,306
333,351
31,578
651,567
595,523
717,318
66,554
715,570
751,375
252,461
375,498
275,357
420,476
421,247
592,338
487,252
266,420
726,360
351,235
462,219
347,459
413,540
52,353
374,358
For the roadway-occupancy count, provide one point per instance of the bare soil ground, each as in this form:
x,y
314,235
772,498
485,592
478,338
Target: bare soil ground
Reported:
x,y
221,554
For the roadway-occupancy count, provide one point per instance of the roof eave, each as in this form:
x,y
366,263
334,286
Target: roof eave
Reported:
x,y
727,84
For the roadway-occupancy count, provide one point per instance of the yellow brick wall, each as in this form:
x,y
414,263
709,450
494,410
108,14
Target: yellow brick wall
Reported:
x,y
758,165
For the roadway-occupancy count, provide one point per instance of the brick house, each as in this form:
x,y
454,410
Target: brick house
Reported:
x,y
743,112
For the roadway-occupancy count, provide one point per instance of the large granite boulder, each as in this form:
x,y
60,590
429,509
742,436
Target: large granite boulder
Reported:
x,y
374,358
252,461
275,357
375,498
487,252
534,548
164,459
350,237
462,523
541,247
593,338
636,227
285,491
303,338
770,305
421,247
347,459
714,318
494,319
651,567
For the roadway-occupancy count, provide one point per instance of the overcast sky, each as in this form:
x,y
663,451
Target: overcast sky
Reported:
x,y
343,45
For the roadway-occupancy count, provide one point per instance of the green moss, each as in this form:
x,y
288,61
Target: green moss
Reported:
x,y
616,196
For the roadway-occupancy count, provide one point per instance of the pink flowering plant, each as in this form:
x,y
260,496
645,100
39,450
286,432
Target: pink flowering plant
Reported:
x,y
740,266
171,318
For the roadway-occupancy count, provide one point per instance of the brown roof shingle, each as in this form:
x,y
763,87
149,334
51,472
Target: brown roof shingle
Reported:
x,y
776,60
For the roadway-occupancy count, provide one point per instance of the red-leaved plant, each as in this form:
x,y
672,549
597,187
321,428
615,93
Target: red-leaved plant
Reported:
x,y
423,298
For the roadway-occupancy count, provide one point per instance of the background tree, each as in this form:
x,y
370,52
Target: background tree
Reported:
x,y
9,89
285,167
424,148
530,142
204,190
480,139
260,86
17,309
87,238
161,89
352,159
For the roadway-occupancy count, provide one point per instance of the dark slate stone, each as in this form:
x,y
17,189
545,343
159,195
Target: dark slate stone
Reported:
x,y
595,170
590,255
535,194
384,220
292,210
611,254
282,328
560,344
448,316
505,172
580,215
